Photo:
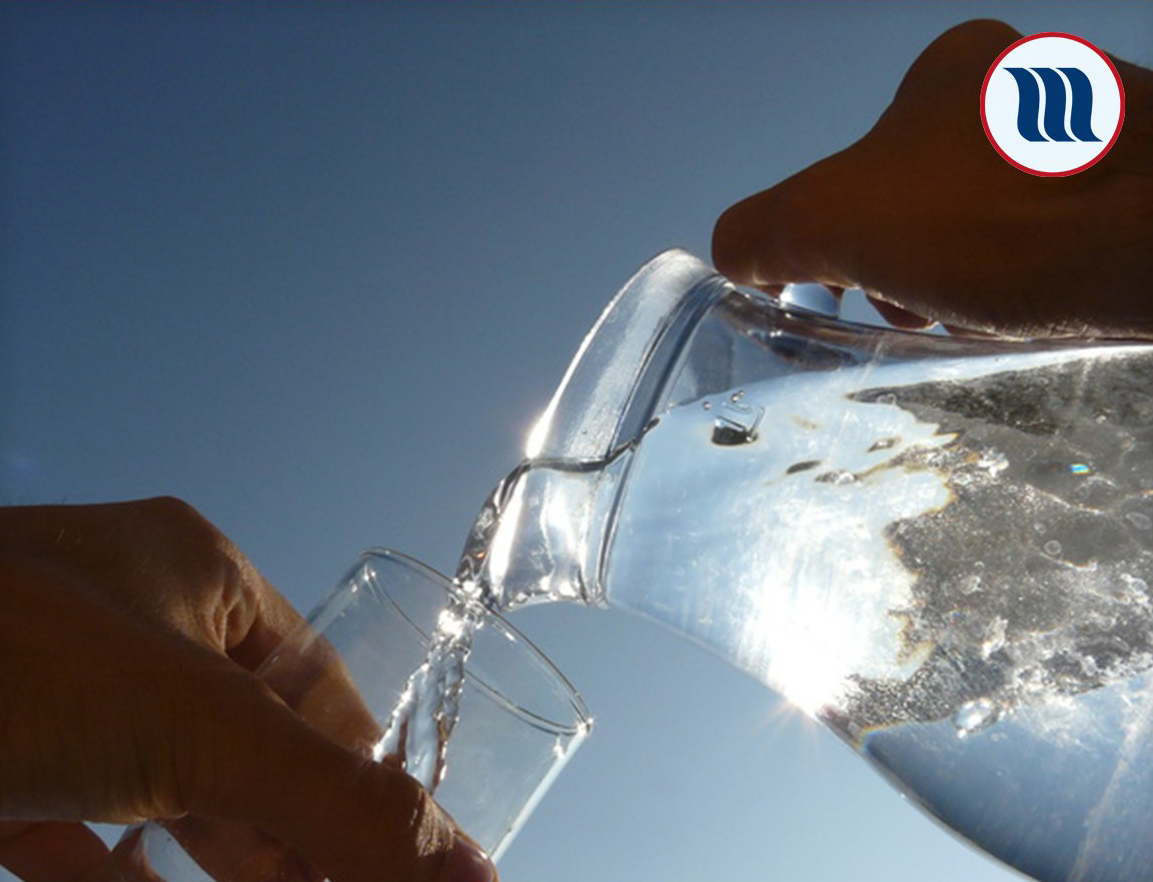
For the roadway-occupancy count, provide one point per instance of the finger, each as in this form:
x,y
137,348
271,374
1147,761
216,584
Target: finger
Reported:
x,y
50,851
798,231
265,633
232,852
959,331
887,212
127,862
309,674
351,819
261,619
898,317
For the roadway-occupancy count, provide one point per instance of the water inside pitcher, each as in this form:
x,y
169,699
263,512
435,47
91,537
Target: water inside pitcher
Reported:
x,y
940,548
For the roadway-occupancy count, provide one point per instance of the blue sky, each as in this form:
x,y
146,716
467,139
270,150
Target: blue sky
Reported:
x,y
316,268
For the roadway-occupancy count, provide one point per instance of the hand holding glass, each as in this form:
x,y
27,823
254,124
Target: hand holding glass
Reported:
x,y
519,718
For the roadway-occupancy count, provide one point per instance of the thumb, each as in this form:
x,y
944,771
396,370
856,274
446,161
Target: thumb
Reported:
x,y
800,230
843,219
354,820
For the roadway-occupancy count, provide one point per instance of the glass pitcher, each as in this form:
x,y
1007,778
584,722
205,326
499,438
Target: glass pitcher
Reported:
x,y
940,548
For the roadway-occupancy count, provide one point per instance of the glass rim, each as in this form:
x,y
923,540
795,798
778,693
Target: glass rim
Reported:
x,y
539,661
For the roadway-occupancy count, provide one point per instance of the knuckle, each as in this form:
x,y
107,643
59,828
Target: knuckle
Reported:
x,y
187,538
173,510
977,36
212,574
954,59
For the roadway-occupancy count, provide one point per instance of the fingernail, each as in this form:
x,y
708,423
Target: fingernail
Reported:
x,y
467,862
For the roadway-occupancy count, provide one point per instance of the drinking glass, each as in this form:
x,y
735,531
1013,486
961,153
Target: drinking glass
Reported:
x,y
519,718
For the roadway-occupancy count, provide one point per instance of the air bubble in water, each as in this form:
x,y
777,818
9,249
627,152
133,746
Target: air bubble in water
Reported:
x,y
1135,589
706,405
973,716
994,636
1040,528
737,396
971,584
887,398
838,477
1139,520
1052,548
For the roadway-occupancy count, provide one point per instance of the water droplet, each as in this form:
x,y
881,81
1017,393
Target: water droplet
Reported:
x,y
737,396
1052,548
1139,520
973,716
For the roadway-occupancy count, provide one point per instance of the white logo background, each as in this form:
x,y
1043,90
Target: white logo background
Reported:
x,y
1001,99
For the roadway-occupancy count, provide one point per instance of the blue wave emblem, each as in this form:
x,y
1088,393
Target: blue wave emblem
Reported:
x,y
1045,121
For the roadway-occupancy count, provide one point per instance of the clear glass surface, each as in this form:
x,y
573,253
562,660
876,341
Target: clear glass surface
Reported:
x,y
519,718
941,548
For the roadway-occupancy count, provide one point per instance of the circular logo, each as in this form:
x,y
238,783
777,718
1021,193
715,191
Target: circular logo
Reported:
x,y
1052,104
